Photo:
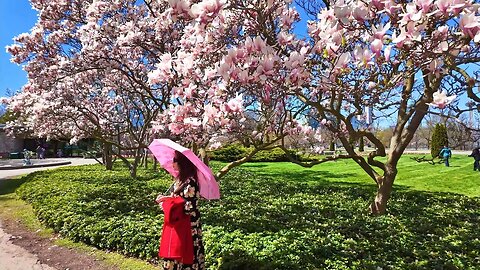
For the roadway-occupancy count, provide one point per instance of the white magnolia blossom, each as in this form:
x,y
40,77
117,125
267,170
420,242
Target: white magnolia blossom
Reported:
x,y
441,100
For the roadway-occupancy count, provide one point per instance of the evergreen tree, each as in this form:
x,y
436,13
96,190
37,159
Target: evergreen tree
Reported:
x,y
439,139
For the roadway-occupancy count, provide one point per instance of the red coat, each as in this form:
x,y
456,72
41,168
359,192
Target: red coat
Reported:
x,y
176,242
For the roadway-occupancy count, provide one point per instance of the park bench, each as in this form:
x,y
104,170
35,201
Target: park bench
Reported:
x,y
329,153
15,155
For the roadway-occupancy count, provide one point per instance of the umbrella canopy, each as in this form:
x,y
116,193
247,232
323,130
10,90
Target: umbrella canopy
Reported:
x,y
164,151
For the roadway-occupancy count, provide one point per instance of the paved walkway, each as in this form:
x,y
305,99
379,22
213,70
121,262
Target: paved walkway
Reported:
x,y
48,164
13,257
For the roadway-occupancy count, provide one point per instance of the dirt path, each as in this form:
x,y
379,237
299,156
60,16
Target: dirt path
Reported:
x,y
14,257
22,249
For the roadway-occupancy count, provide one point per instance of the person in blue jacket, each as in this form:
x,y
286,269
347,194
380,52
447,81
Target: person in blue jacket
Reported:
x,y
445,154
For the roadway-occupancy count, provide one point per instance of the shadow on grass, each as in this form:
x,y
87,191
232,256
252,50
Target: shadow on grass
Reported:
x,y
8,186
299,175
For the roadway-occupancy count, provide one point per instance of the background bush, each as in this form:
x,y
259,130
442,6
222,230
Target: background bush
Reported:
x,y
234,152
228,153
267,219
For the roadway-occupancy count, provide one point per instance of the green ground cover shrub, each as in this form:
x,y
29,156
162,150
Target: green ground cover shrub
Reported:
x,y
274,216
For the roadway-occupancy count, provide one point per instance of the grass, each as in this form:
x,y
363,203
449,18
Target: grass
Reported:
x,y
459,178
280,215
12,208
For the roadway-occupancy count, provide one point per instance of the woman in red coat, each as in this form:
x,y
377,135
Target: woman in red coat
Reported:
x,y
177,255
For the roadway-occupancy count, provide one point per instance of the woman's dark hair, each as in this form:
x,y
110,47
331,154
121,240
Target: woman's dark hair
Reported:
x,y
186,167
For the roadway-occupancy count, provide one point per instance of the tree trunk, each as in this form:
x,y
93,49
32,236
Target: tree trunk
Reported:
x,y
134,165
385,186
133,172
145,158
107,156
203,155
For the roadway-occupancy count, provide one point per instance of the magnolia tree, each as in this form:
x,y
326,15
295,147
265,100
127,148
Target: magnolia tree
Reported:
x,y
213,72
394,58
117,70
390,56
226,87
87,66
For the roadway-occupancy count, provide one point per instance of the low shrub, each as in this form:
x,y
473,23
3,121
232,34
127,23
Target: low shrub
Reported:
x,y
228,153
264,222
274,155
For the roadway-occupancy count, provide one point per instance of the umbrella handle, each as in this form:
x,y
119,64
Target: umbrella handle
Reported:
x,y
169,190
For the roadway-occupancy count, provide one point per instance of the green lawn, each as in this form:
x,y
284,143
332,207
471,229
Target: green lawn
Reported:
x,y
278,215
458,178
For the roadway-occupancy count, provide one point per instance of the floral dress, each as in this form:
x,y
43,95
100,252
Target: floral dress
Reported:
x,y
191,194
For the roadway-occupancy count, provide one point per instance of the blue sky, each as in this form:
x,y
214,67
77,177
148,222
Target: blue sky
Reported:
x,y
16,17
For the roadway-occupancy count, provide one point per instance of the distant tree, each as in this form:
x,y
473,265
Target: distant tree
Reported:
x,y
7,116
439,139
384,135
422,137
459,133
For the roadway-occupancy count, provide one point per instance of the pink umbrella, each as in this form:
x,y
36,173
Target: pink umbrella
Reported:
x,y
164,151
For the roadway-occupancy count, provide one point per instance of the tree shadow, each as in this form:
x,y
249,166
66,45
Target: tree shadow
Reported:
x,y
300,175
8,186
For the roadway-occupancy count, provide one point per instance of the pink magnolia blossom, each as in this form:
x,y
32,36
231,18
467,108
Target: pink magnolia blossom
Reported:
x,y
411,14
295,60
446,6
205,10
425,5
284,38
343,61
470,25
378,4
388,52
400,39
442,47
4,100
235,105
343,13
288,17
381,31
180,6
363,56
360,12
376,47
